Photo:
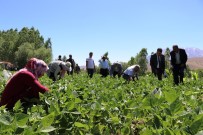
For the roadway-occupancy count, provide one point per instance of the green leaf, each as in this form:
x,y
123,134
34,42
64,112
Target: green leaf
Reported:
x,y
81,125
196,124
147,131
171,95
17,105
125,130
6,119
48,120
47,129
168,132
176,107
21,119
157,121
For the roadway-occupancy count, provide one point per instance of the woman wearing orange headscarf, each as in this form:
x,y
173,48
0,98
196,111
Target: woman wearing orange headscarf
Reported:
x,y
24,84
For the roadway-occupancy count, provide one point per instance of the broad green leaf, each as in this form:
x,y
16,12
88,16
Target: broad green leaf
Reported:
x,y
171,95
81,125
17,105
21,119
6,119
196,125
176,107
71,105
48,120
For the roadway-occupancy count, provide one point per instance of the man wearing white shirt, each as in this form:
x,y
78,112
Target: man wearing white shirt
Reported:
x,y
131,72
90,65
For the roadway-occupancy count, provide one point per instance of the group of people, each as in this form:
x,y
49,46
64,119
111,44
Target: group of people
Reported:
x,y
74,67
178,63
24,84
115,69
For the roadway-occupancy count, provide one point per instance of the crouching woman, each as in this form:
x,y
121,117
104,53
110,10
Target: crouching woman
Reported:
x,y
24,84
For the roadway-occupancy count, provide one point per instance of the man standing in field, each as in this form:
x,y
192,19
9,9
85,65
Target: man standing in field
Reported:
x,y
157,62
178,63
90,65
71,60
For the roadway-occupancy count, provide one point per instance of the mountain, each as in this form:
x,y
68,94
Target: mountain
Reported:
x,y
192,52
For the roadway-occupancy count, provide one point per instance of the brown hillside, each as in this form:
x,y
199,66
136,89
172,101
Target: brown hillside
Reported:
x,y
195,63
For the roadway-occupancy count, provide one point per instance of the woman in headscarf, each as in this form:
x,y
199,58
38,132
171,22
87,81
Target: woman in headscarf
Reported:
x,y
24,84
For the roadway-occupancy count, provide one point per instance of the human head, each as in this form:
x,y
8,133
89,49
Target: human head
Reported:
x,y
175,48
70,56
68,64
59,56
91,54
137,68
103,57
37,67
159,51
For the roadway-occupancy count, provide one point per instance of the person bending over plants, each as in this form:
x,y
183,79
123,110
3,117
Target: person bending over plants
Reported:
x,y
57,69
24,84
131,72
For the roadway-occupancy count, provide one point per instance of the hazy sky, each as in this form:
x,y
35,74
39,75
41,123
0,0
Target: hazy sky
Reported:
x,y
121,27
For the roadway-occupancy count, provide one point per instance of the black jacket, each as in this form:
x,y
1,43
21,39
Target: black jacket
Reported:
x,y
183,57
154,62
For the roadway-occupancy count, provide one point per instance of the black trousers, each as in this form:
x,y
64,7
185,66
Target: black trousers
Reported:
x,y
159,73
116,73
178,74
104,72
90,72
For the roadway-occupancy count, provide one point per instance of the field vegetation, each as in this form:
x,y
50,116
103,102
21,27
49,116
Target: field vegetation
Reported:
x,y
101,106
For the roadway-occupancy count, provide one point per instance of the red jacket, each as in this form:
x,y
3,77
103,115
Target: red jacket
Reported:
x,y
22,85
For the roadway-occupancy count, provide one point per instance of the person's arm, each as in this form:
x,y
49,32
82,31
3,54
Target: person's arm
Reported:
x,y
164,63
58,69
62,74
94,66
86,64
34,83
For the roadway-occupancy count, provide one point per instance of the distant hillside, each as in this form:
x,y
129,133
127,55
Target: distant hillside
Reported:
x,y
195,63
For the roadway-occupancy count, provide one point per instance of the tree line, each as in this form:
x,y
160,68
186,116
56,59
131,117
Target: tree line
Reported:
x,y
17,47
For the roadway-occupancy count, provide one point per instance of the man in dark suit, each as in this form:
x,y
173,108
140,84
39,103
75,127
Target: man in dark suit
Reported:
x,y
178,63
157,63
